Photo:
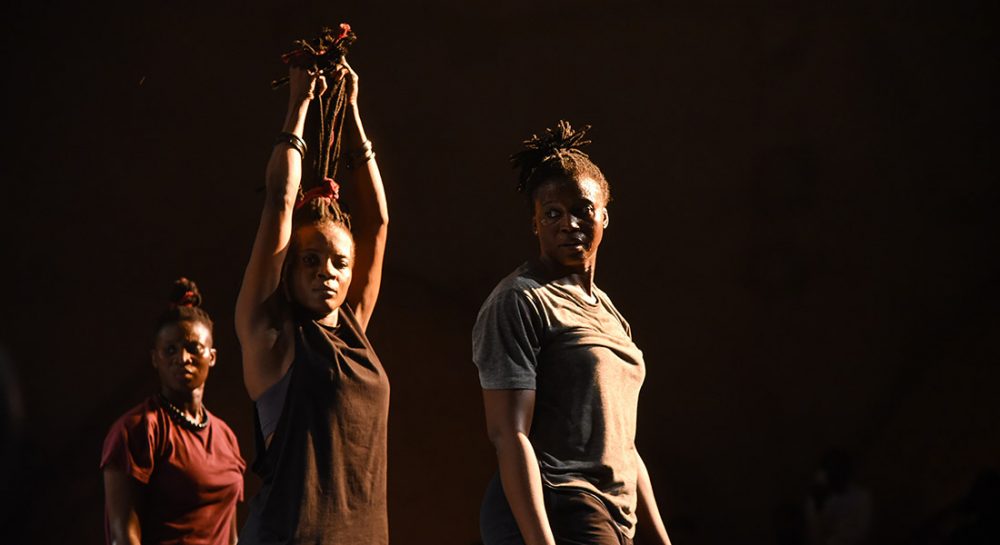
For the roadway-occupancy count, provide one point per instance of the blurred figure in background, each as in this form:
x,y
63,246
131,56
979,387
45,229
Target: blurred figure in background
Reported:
x,y
838,511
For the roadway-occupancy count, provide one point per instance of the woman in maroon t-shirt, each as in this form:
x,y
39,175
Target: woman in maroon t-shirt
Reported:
x,y
172,471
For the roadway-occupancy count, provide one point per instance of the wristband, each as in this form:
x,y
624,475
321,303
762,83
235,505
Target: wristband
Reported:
x,y
293,141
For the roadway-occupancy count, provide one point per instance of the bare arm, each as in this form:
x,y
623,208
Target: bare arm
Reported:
x,y
650,524
365,196
265,358
508,421
120,497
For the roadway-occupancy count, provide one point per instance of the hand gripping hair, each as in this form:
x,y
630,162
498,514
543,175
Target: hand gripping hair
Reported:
x,y
324,55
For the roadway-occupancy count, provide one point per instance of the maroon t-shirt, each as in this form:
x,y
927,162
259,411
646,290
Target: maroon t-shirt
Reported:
x,y
190,480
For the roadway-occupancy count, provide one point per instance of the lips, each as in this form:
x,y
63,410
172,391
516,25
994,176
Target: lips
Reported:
x,y
326,292
574,244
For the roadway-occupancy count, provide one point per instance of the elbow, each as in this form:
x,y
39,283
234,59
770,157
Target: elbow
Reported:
x,y
375,228
280,192
504,440
279,199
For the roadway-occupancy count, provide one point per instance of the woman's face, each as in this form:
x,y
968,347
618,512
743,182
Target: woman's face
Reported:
x,y
182,355
569,220
320,271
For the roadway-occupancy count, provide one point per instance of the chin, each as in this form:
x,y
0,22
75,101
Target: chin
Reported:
x,y
574,259
324,307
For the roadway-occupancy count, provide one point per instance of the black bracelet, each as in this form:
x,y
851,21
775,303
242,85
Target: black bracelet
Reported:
x,y
366,148
292,140
353,162
360,156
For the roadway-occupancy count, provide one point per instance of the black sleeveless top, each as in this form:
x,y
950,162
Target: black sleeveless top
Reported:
x,y
324,473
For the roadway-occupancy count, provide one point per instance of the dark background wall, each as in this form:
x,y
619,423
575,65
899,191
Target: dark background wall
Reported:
x,y
803,234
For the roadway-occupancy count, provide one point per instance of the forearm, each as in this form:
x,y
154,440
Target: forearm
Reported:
x,y
651,525
365,191
125,534
283,176
522,485
284,169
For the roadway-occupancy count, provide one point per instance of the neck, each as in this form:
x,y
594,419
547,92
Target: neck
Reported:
x,y
332,319
582,276
189,402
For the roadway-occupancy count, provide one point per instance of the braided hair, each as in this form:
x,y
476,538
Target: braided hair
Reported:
x,y
324,54
320,209
184,305
556,154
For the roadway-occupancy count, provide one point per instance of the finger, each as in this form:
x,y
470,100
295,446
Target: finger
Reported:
x,y
339,71
320,85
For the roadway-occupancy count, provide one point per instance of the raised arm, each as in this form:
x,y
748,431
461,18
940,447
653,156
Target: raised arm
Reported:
x,y
508,421
365,198
650,526
265,359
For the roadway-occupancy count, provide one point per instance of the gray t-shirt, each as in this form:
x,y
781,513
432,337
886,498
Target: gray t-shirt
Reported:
x,y
579,357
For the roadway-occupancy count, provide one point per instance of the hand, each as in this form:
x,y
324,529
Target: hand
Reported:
x,y
344,70
305,85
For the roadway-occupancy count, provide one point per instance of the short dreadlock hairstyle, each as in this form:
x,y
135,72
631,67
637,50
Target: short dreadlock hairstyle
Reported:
x,y
556,154
321,210
183,305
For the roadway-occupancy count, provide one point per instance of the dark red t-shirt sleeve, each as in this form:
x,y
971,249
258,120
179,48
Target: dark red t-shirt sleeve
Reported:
x,y
234,451
129,445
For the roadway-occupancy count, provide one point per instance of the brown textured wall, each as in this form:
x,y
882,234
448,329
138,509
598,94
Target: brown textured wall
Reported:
x,y
803,233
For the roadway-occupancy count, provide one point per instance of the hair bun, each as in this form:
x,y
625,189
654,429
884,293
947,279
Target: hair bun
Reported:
x,y
184,293
551,144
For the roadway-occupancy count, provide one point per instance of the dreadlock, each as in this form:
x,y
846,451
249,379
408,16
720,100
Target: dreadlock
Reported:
x,y
556,154
184,305
319,210
324,54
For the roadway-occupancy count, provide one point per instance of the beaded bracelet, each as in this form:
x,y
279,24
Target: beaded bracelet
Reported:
x,y
292,140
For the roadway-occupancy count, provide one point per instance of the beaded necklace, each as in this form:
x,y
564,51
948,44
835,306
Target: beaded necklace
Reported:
x,y
182,418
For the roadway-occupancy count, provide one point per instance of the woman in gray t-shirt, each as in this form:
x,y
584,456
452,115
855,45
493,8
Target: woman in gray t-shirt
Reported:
x,y
560,373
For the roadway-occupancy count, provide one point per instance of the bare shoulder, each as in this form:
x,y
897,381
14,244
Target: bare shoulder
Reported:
x,y
268,350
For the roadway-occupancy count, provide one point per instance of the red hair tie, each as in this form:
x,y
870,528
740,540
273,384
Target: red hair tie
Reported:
x,y
327,188
188,299
345,31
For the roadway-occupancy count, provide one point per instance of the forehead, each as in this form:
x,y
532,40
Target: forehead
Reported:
x,y
185,330
328,237
569,190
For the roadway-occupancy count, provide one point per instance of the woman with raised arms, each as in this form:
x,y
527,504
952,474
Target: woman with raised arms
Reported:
x,y
320,392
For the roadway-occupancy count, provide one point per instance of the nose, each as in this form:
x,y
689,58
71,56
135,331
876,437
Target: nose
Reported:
x,y
327,270
571,223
